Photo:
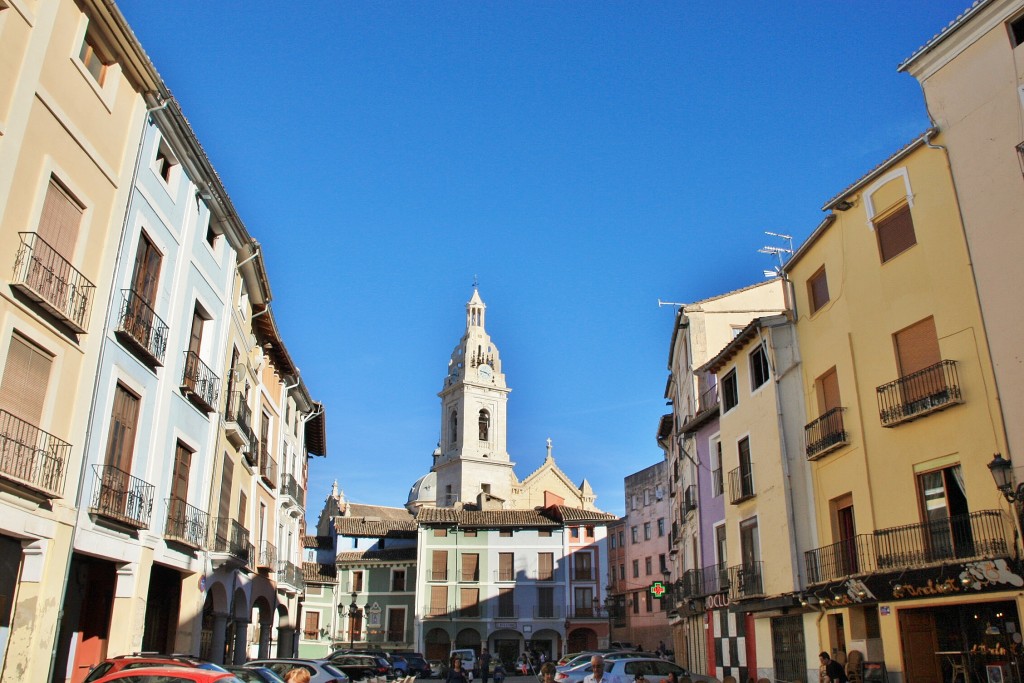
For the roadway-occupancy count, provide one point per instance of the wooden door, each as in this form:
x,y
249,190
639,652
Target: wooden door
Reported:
x,y
919,642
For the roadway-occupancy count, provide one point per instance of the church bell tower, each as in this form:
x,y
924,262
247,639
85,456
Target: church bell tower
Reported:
x,y
472,457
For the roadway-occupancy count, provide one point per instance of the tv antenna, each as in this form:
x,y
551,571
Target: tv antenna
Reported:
x,y
669,303
777,252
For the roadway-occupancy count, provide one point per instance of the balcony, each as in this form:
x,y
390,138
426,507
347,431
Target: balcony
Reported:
x,y
290,576
199,384
708,399
266,556
471,612
437,575
745,581
469,576
689,498
141,330
268,467
546,612
121,497
588,612
741,484
231,540
930,390
506,611
583,574
825,434
704,581
504,575
186,524
984,534
46,277
290,487
31,457
237,420
435,612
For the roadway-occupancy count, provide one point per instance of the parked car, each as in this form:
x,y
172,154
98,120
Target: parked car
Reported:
x,y
255,674
320,670
168,674
361,667
438,668
467,656
655,670
142,660
418,666
584,658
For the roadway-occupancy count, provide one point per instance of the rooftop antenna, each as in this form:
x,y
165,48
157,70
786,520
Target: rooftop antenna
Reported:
x,y
668,303
777,252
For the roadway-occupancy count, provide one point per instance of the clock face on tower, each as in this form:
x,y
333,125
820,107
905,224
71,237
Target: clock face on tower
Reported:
x,y
485,372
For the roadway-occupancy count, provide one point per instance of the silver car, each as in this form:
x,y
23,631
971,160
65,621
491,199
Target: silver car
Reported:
x,y
654,670
320,670
584,660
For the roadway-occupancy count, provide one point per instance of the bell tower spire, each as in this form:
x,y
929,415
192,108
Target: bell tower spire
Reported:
x,y
473,457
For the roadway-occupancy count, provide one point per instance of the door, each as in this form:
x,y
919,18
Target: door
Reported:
x,y
847,538
919,642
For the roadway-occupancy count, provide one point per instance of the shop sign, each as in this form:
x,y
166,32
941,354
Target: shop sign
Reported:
x,y
501,624
717,601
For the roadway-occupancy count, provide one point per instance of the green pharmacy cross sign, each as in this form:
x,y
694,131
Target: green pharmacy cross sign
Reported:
x,y
658,589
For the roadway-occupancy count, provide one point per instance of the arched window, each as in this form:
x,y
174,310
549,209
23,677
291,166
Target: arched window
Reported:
x,y
485,425
453,426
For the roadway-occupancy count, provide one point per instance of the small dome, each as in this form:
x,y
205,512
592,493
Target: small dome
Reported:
x,y
423,492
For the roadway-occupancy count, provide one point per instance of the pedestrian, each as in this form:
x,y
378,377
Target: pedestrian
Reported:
x,y
523,659
596,674
671,678
455,673
499,672
547,672
834,672
297,675
485,664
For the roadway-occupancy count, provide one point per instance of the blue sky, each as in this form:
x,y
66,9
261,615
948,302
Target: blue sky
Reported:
x,y
584,159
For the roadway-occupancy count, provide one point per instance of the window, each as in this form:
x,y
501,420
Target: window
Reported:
x,y
176,515
439,565
545,602
947,532
357,582
636,569
574,532
146,275
622,572
544,533
1016,28
545,566
750,544
636,602
485,425
730,391
647,531
453,428
758,367
746,473
90,56
635,533
648,601
506,603
648,566
469,601
622,539
589,531
506,564
661,526
583,568
397,580
895,233
827,389
396,624
817,290
611,542
311,630
635,502
647,497
440,533
469,533
661,563
211,234
26,375
505,533
165,164
470,567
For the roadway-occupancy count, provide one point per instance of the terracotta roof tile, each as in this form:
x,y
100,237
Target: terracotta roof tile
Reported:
x,y
314,572
318,542
359,526
485,518
385,555
570,514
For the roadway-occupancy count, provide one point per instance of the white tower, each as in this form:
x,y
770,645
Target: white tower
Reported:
x,y
472,458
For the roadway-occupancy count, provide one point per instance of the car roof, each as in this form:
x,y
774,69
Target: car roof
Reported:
x,y
184,673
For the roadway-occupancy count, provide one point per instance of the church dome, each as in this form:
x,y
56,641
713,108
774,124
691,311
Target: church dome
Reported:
x,y
423,492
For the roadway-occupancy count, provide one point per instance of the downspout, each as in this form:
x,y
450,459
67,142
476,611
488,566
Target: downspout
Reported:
x,y
95,390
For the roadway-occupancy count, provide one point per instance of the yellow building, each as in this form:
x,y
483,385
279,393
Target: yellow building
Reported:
x,y
915,553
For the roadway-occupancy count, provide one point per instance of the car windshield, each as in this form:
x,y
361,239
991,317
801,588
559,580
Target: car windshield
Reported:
x,y
337,673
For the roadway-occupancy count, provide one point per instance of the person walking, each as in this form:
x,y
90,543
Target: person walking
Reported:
x,y
597,670
834,671
455,673
485,664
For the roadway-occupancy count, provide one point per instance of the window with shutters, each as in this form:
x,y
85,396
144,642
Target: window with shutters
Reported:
x,y
827,389
397,580
506,567
396,624
926,383
895,232
506,603
121,437
26,376
357,582
139,325
438,601
470,567
817,290
469,533
730,391
758,367
545,567
545,602
94,58
544,533
165,164
440,533
827,432
439,565
311,629
469,601
182,522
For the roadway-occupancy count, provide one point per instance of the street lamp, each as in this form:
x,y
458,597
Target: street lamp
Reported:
x,y
1002,473
609,603
353,612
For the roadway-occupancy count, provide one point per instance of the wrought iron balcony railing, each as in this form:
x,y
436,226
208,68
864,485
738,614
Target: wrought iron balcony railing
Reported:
x,y
469,576
141,330
437,575
689,498
547,612
588,612
825,434
708,398
934,388
476,611
290,487
119,496
289,574
983,534
506,611
46,277
704,581
186,524
237,420
741,484
266,556
31,457
504,575
199,384
230,538
745,581
434,611
583,573
268,467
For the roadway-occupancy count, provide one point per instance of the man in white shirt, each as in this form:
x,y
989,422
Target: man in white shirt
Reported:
x,y
597,669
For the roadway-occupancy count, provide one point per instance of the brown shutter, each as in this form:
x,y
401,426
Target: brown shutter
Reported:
x,y
545,566
468,600
817,288
182,464
506,602
312,627
226,477
506,566
26,376
195,340
438,599
121,440
828,392
439,566
59,221
470,567
396,625
917,347
147,270
895,233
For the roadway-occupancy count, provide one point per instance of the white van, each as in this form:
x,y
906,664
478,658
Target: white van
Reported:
x,y
468,658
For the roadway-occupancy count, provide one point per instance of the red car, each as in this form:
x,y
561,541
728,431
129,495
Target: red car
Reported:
x,y
146,660
169,674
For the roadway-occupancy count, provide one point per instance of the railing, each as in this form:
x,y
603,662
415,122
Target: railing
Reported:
x,y
745,581
926,391
266,556
741,484
506,611
290,487
311,635
185,523
431,611
437,575
237,416
708,398
717,482
583,573
199,384
32,457
825,434
983,534
231,538
471,612
690,498
504,575
268,467
546,612
141,328
46,277
468,576
582,612
119,496
290,575
704,581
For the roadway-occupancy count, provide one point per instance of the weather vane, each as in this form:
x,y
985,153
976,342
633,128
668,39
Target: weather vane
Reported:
x,y
476,282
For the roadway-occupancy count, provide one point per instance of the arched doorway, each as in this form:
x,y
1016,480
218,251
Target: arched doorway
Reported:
x,y
548,641
262,620
506,645
468,638
437,644
581,640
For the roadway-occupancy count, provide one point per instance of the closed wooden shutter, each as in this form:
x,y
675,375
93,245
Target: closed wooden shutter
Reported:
x,y
895,233
817,288
396,624
147,270
195,339
60,219
243,502
121,439
470,567
224,500
439,565
506,602
506,567
438,600
182,464
828,392
545,566
468,600
26,376
917,347
312,627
